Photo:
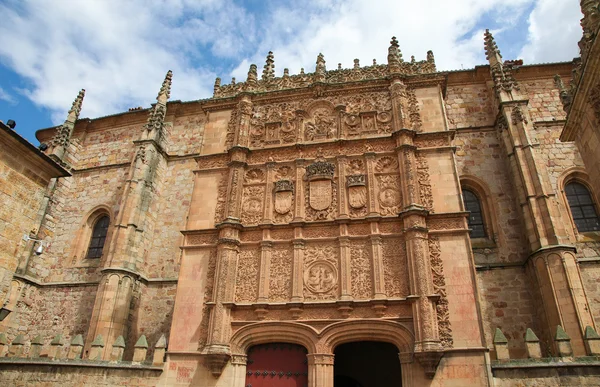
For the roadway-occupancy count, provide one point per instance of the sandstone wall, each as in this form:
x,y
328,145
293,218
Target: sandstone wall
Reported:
x,y
51,310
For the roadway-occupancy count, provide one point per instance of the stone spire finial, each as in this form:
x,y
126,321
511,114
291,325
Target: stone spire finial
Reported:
x,y
252,78
356,64
76,107
217,86
62,138
320,69
430,57
492,53
394,55
165,90
158,112
269,68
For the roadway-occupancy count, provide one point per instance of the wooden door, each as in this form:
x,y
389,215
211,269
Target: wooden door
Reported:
x,y
277,365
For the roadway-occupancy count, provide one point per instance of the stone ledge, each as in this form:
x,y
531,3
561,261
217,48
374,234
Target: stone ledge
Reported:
x,y
549,362
78,363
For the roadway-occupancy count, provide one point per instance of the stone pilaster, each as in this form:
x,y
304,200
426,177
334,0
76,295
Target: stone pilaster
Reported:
x,y
343,203
405,150
345,275
245,110
266,248
398,96
378,270
237,166
371,195
299,194
268,211
297,271
217,348
320,370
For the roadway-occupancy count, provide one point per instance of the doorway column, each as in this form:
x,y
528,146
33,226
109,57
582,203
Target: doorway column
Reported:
x,y
320,369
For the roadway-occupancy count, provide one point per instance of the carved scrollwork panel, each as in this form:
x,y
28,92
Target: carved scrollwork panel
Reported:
x,y
208,295
280,276
360,270
439,285
246,283
394,268
425,192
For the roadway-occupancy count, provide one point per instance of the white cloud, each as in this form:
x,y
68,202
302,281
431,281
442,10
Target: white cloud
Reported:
x,y
6,97
119,51
554,31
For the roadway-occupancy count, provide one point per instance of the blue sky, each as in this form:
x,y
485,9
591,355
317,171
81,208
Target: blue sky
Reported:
x,y
120,50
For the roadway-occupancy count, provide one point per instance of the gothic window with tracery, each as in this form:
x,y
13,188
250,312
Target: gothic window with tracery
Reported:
x,y
98,237
583,209
473,205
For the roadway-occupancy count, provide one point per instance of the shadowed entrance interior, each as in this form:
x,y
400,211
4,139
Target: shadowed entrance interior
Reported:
x,y
277,365
367,364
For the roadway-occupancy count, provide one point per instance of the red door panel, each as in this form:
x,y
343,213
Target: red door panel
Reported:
x,y
277,365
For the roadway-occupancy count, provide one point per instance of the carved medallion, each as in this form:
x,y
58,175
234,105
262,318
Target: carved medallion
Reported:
x,y
252,204
389,194
284,195
357,191
320,277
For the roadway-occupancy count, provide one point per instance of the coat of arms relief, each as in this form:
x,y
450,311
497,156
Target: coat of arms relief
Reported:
x,y
321,201
356,183
283,195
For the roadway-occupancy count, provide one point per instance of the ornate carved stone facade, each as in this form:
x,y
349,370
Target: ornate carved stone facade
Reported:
x,y
320,209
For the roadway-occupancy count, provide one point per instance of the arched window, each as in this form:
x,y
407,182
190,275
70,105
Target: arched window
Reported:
x,y
476,223
98,237
582,207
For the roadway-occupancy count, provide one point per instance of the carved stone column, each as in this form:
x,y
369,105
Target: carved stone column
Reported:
x,y
297,272
398,96
406,159
427,341
300,188
219,331
343,206
245,109
237,165
345,274
371,183
406,366
239,363
320,370
268,212
266,248
378,271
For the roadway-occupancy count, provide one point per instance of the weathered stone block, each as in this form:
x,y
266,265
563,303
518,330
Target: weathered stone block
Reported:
x,y
141,349
116,355
36,347
97,348
57,348
501,345
592,341
533,345
3,345
17,347
563,342
76,348
159,351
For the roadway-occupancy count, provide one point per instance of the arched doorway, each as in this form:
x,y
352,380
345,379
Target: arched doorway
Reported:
x,y
277,365
367,364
